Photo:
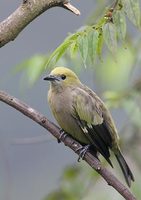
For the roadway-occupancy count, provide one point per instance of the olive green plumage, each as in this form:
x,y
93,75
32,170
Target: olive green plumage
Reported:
x,y
83,115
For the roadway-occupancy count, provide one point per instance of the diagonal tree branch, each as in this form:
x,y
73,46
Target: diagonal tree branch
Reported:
x,y
68,141
26,13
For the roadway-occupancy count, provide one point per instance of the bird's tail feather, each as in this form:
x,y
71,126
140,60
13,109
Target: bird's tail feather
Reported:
x,y
125,168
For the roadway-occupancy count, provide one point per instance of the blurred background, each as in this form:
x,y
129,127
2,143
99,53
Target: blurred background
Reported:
x,y
32,164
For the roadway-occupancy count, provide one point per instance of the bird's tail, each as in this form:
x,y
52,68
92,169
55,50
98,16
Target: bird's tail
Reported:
x,y
125,168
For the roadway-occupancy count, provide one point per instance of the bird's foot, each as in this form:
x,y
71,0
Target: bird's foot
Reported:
x,y
82,151
62,136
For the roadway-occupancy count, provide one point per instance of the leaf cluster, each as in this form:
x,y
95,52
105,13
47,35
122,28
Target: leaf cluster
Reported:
x,y
109,30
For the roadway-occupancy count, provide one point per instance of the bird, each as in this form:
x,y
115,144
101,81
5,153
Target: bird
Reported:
x,y
84,116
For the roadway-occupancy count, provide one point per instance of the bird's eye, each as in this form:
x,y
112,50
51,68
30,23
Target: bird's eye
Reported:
x,y
63,77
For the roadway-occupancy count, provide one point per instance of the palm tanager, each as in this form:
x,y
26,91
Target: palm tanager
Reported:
x,y
83,115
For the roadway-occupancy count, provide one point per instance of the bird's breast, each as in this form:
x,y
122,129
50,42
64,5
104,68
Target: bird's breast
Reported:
x,y
62,109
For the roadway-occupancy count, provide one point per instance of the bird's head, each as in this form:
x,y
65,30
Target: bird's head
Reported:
x,y
62,77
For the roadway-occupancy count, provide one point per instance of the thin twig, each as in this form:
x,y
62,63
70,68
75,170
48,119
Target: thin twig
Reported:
x,y
68,141
111,10
115,4
26,13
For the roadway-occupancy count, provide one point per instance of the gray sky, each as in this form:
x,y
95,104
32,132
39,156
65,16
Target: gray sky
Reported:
x,y
31,171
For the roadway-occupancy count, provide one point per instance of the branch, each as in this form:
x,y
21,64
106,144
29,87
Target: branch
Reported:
x,y
115,4
68,141
113,7
26,13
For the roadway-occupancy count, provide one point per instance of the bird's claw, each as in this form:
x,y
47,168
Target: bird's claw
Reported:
x,y
62,136
82,151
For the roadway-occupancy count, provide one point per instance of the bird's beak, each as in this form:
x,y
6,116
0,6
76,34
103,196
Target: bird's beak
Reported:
x,y
51,78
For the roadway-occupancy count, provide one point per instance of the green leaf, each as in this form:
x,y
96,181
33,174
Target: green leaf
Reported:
x,y
33,68
120,22
60,50
100,44
109,34
132,10
83,47
73,49
93,38
56,55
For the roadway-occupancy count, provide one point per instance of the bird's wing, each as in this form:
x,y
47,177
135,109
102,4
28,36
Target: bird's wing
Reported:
x,y
89,115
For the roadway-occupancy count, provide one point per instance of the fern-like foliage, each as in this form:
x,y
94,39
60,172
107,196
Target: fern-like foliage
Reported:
x,y
109,30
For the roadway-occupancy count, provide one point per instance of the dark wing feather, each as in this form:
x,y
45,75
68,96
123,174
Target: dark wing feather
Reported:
x,y
95,134
103,133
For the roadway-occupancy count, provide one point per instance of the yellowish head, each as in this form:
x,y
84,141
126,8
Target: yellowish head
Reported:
x,y
62,76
